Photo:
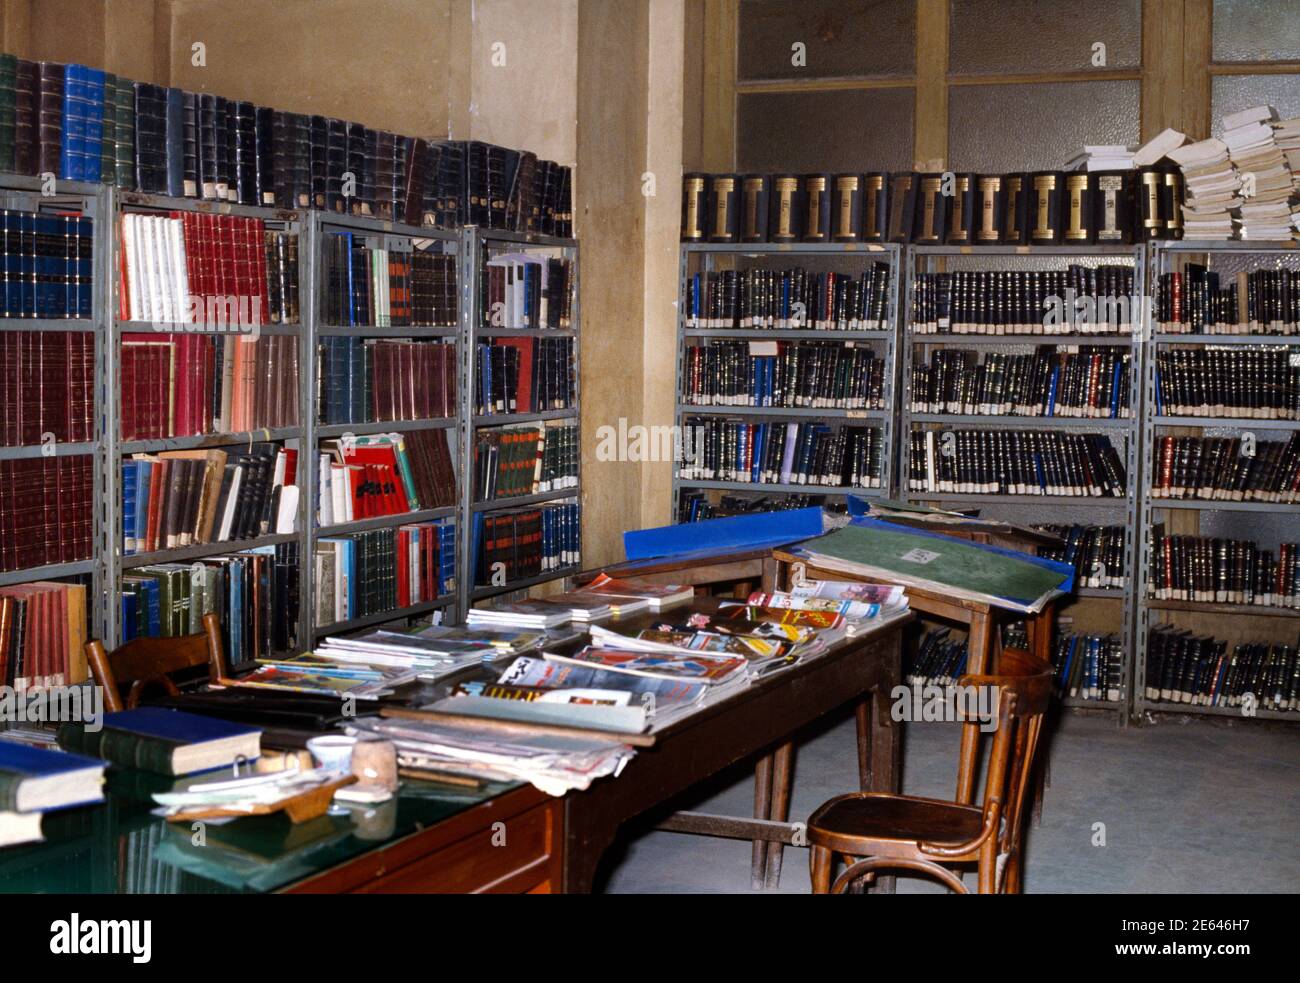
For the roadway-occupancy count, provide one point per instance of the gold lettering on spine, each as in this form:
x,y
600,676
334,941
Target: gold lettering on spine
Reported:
x,y
1109,188
872,190
1043,187
694,190
722,187
1152,184
1014,187
846,186
929,188
988,187
785,188
816,191
1078,227
752,188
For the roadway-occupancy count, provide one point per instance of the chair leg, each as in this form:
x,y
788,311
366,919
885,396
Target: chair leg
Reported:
x,y
1011,876
988,867
819,868
782,779
762,810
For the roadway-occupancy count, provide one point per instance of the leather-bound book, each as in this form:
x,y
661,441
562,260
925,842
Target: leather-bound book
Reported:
x,y
416,178
49,116
476,168
1112,207
174,141
400,148
499,188
723,207
265,130
902,205
207,146
1149,219
786,215
519,202
846,209
336,163
150,138
8,109
81,137
190,112
1015,225
875,207
754,207
366,176
962,209
1171,202
817,207
243,128
693,206
1046,207
356,168
931,211
1080,190
224,146
384,179
25,152
564,228
318,159
989,210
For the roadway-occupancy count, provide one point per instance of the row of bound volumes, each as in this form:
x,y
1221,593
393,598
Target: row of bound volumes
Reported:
x,y
378,287
516,544
253,593
84,124
384,474
1096,552
525,375
1223,571
1196,300
377,381
1042,207
1076,300
182,498
1227,469
218,271
783,453
1089,667
46,387
694,506
1233,382
790,299
1199,669
522,290
43,635
179,385
529,459
47,511
1015,462
824,375
369,573
939,659
1092,383
46,264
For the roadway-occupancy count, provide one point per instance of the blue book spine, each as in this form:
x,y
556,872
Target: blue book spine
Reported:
x,y
235,617
1050,409
143,478
28,222
129,507
85,266
93,87
127,616
1116,379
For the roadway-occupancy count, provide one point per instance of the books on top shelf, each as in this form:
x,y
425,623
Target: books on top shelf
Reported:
x,y
168,742
1266,180
1213,189
45,624
1103,157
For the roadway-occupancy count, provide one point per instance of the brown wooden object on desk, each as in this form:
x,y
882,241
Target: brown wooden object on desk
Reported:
x,y
145,662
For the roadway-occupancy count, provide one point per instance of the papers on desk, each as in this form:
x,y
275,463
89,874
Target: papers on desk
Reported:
x,y
554,762
533,613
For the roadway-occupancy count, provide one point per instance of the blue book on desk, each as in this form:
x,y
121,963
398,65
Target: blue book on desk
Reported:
x,y
35,779
169,742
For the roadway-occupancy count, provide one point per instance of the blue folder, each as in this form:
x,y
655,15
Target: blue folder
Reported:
x,y
734,533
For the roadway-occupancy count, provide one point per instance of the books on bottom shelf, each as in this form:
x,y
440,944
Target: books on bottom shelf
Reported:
x,y
1199,670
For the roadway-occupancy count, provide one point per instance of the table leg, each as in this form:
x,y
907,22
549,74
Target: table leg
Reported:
x,y
782,779
978,642
762,810
884,742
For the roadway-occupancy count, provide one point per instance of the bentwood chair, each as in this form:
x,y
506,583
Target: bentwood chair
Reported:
x,y
148,662
880,831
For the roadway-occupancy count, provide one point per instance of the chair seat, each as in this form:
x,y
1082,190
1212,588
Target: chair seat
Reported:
x,y
879,816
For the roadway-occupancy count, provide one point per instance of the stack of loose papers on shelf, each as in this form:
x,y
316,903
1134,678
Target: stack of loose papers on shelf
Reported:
x,y
1211,189
1265,178
1105,157
430,651
1158,147
534,613
585,608
1287,134
553,761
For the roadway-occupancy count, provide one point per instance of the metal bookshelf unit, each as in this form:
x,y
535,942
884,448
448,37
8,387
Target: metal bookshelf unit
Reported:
x,y
846,258
479,245
396,237
24,193
1036,509
1216,518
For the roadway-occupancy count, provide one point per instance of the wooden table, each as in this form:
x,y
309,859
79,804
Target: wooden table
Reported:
x,y
710,569
755,721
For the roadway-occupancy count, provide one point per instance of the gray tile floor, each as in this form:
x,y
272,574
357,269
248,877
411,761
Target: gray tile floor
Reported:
x,y
1187,806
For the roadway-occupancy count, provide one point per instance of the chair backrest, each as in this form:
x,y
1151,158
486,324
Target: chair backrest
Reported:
x,y
149,661
1023,691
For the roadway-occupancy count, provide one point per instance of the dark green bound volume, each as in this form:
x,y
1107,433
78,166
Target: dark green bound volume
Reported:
x,y
754,206
118,747
8,102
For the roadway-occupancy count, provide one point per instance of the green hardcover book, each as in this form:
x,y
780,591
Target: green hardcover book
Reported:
x,y
8,104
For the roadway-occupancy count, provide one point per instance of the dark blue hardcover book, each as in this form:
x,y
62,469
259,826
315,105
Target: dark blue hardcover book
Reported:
x,y
36,779
129,503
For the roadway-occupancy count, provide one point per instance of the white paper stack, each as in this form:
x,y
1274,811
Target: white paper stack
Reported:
x,y
1211,189
1103,157
1287,135
1158,147
1265,213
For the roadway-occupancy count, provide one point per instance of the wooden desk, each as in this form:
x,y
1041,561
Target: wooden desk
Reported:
x,y
756,566
754,721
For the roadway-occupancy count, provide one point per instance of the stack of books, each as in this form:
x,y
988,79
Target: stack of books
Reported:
x,y
627,595
1211,189
1287,134
36,780
536,614
1105,157
1266,179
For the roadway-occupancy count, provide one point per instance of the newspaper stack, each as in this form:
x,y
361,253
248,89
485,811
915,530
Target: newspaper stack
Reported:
x,y
1211,189
1287,134
1265,213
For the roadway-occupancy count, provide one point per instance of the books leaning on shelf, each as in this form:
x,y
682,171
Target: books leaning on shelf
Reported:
x,y
1223,571
384,474
1092,383
46,511
46,387
1187,668
378,287
219,271
377,381
1089,667
1076,300
368,573
175,499
1226,470
516,544
1237,382
522,290
783,453
1197,300
181,385
254,595
46,622
826,375
1096,552
1015,462
524,375
529,459
790,299
46,265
